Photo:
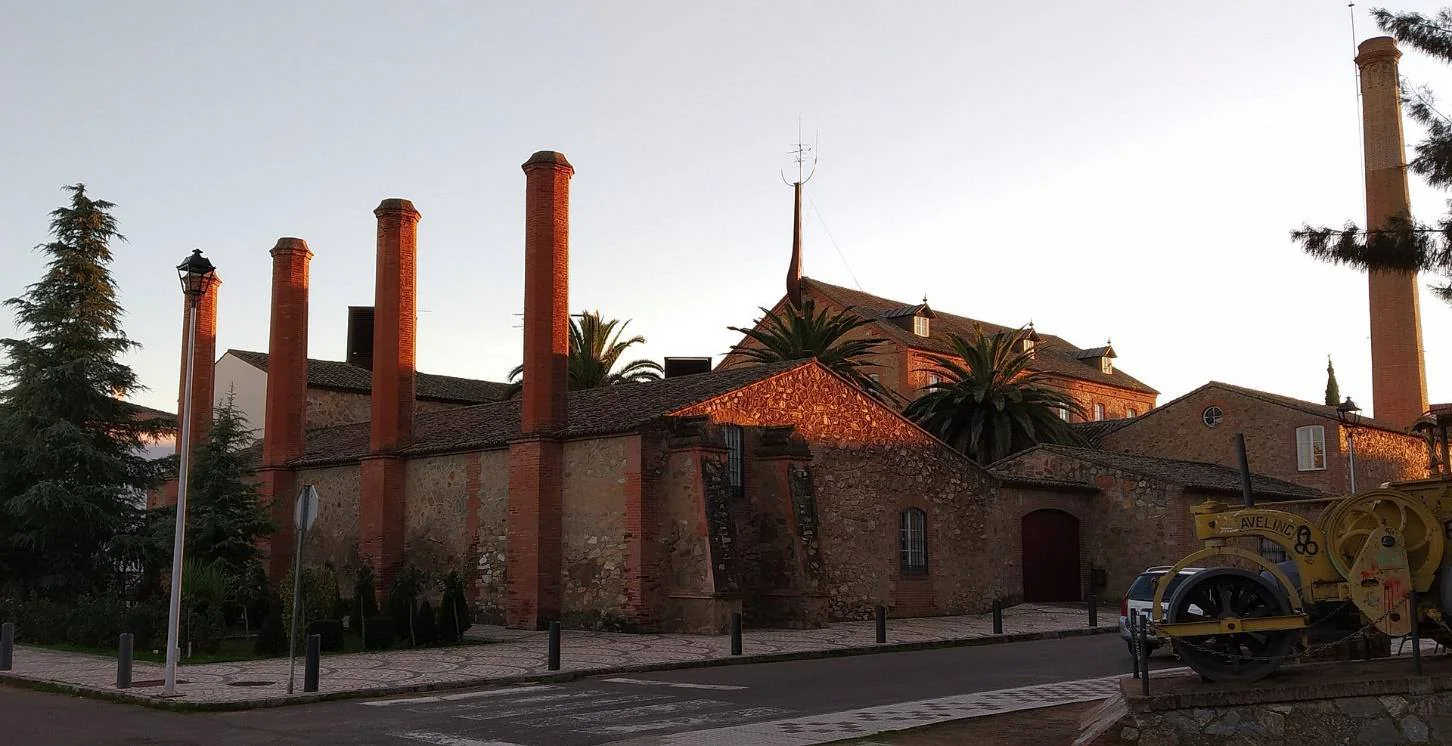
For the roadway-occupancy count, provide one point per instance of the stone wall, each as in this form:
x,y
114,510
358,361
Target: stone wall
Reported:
x,y
436,536
327,408
595,563
1176,431
1117,402
868,465
334,538
486,487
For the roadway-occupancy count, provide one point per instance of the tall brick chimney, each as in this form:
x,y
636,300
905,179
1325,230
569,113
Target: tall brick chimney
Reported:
x,y
204,363
794,270
1398,373
287,391
383,497
394,314
536,461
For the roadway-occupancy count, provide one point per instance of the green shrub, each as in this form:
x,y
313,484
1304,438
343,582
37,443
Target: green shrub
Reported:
x,y
331,631
403,601
453,615
378,633
272,638
424,632
365,601
319,595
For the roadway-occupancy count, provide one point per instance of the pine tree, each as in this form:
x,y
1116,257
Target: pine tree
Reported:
x,y
72,472
1333,392
224,514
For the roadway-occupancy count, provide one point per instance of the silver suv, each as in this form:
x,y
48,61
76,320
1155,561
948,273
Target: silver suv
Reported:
x,y
1141,597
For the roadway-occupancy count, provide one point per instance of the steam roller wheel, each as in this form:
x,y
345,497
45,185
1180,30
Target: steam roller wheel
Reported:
x,y
1353,519
1225,592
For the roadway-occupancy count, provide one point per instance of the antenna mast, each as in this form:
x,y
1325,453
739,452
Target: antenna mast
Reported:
x,y
794,271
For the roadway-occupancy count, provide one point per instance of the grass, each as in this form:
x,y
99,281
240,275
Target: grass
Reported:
x,y
232,649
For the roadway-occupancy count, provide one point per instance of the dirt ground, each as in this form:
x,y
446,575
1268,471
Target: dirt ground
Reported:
x,y
1046,726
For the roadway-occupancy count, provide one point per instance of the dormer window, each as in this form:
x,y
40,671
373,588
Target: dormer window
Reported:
x,y
1106,365
1026,343
920,326
1099,357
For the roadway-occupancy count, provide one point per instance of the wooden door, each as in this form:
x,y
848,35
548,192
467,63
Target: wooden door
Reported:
x,y
1051,556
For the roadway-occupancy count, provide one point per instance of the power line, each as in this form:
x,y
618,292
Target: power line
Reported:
x,y
840,255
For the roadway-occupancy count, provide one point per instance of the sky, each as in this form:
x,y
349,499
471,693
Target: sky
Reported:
x,y
1111,170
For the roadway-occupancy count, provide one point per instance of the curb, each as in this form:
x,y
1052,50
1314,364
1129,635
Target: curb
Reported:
x,y
112,695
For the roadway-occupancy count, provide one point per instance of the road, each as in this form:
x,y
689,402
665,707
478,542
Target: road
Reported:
x,y
598,710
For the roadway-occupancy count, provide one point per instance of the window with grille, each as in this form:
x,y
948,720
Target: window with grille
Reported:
x,y
1311,448
735,465
914,541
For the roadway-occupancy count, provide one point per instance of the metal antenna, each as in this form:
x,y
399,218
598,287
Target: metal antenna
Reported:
x,y
801,153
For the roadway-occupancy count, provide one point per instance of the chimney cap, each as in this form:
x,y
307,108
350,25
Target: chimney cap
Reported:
x,y
548,158
395,204
1377,47
288,244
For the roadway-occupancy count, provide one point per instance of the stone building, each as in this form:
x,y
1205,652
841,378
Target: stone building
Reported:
x,y
1292,440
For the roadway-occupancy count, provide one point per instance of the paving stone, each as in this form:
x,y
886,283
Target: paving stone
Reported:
x,y
1380,732
1415,730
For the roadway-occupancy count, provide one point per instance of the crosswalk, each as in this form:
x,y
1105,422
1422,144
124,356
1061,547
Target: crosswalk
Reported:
x,y
550,714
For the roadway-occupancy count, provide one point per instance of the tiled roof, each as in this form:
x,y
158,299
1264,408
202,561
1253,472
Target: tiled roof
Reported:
x,y
1057,485
1093,431
1052,355
331,374
603,411
1094,352
140,412
901,311
1193,474
1320,410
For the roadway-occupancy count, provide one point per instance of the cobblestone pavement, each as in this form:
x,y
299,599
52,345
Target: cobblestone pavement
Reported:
x,y
512,655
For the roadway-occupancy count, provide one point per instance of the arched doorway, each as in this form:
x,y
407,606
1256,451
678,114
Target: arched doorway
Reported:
x,y
1050,556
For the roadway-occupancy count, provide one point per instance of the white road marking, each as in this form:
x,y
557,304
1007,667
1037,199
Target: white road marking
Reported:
x,y
613,716
446,739
677,684
453,697
581,702
683,722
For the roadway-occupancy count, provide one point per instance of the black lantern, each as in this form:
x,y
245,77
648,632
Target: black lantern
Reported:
x,y
1348,412
196,274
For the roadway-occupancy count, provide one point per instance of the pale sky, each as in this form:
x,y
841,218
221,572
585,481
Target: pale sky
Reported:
x,y
1122,170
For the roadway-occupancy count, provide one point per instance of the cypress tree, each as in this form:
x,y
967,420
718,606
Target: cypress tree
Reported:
x,y
72,471
1333,392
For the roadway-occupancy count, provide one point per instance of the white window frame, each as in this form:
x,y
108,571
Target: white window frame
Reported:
x,y
920,326
1106,365
1130,413
1311,448
932,378
913,541
1063,413
1098,412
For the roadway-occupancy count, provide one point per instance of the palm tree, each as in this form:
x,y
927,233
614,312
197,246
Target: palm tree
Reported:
x,y
805,333
989,405
595,350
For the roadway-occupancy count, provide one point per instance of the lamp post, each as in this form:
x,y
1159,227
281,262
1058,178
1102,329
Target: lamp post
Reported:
x,y
1350,416
196,274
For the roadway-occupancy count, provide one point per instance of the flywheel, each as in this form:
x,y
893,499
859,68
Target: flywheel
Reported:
x,y
1349,522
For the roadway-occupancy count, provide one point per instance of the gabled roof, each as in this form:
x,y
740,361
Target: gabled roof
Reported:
x,y
331,374
1192,474
1095,430
1306,407
141,412
1052,355
1093,352
593,412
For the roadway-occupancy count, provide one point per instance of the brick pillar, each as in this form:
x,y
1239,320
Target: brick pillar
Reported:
x,y
204,363
534,554
1398,373
287,383
383,497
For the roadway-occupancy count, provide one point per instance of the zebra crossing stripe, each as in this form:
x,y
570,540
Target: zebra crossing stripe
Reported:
x,y
676,684
584,701
682,722
455,697
446,739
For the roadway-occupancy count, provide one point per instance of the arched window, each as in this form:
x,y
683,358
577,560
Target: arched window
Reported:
x,y
914,541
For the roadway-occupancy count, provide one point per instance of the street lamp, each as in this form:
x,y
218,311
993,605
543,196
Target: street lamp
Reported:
x,y
1350,416
196,275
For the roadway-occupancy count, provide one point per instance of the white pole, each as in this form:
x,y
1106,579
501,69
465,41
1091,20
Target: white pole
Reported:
x,y
173,620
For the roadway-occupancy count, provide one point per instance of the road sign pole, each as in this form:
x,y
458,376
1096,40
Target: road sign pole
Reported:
x,y
302,516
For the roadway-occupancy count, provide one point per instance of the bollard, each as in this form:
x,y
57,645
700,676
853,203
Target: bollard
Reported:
x,y
1093,611
310,666
1144,653
1134,642
1416,638
554,662
735,633
7,645
997,617
123,661
881,625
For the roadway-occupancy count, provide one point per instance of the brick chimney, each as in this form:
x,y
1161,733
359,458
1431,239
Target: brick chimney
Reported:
x,y
287,384
394,301
1398,373
204,362
536,461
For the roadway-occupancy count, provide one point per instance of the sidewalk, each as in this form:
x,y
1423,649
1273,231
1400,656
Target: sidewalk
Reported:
x,y
514,655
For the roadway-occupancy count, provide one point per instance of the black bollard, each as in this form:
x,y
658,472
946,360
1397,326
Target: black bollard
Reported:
x,y
7,645
1416,638
1093,611
554,661
123,661
1144,653
881,625
997,617
310,667
1134,642
735,633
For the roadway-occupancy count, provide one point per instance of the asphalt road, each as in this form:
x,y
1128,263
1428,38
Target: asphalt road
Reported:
x,y
582,713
